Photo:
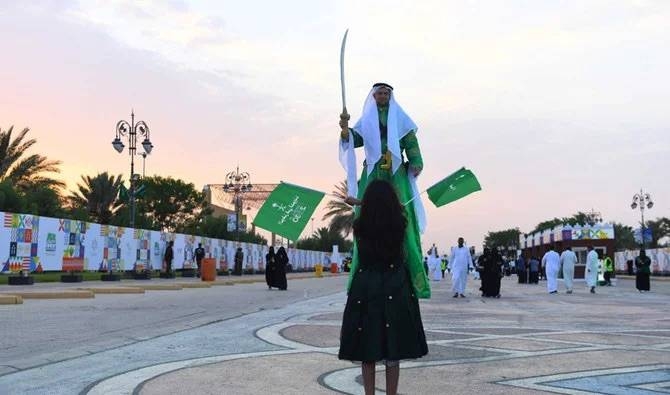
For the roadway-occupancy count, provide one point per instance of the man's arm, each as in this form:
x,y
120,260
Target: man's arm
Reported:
x,y
344,135
411,145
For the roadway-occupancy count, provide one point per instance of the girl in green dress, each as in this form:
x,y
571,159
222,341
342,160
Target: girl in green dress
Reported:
x,y
381,320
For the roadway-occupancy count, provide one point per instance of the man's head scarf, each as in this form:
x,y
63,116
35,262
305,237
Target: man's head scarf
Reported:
x,y
398,125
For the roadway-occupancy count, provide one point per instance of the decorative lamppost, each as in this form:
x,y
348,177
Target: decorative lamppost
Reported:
x,y
131,130
594,217
144,162
238,183
642,199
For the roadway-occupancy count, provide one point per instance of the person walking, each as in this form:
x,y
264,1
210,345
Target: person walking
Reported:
x,y
281,261
550,263
434,264
239,259
591,269
608,273
382,319
568,261
168,257
521,270
489,270
496,272
270,267
460,261
534,270
199,256
642,271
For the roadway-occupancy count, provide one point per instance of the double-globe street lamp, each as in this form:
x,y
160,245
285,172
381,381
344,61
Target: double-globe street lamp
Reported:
x,y
642,200
237,183
131,130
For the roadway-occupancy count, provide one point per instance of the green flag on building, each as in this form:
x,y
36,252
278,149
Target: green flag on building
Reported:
x,y
459,184
288,209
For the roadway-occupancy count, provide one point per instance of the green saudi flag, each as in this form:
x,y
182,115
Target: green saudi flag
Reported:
x,y
288,209
459,184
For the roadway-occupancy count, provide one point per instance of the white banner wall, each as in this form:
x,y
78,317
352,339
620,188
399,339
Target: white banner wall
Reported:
x,y
659,257
29,242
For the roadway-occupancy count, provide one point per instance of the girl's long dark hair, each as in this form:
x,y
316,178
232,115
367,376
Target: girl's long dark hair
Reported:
x,y
380,228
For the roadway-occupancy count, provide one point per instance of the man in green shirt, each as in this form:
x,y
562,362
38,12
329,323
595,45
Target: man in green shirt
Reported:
x,y
388,136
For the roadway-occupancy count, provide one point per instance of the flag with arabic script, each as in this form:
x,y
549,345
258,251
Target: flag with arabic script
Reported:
x,y
455,186
288,209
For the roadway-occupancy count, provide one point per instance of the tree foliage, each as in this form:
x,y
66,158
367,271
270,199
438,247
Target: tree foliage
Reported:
x,y
39,200
22,170
578,218
340,213
624,238
170,204
503,238
217,227
660,228
323,239
98,196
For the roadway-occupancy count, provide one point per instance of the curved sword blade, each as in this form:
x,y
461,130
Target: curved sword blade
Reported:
x,y
344,43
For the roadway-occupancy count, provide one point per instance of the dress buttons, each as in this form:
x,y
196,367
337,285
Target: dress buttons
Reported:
x,y
388,326
391,266
360,329
360,270
390,297
358,301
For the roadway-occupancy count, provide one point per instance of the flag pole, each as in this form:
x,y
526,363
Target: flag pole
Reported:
x,y
414,197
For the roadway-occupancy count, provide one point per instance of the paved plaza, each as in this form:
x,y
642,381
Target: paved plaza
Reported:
x,y
246,339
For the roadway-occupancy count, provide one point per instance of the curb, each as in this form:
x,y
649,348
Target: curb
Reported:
x,y
160,287
114,290
55,295
11,299
217,283
194,285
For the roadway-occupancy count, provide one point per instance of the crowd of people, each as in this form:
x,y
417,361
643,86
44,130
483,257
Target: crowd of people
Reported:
x,y
489,267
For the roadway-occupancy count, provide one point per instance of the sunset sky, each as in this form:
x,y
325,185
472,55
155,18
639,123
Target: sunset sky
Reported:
x,y
557,106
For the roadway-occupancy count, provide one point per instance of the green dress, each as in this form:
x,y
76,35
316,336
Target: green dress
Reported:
x,y
382,319
400,180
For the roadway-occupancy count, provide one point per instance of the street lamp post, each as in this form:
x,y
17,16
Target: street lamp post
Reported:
x,y
238,183
131,130
642,199
594,217
144,162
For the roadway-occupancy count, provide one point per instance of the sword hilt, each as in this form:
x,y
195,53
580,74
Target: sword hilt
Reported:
x,y
344,124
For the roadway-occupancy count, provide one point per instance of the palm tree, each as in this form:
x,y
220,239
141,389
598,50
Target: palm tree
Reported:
x,y
99,196
340,213
23,171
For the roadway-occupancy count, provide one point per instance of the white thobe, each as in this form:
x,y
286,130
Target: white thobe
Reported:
x,y
434,267
551,261
591,274
568,261
459,261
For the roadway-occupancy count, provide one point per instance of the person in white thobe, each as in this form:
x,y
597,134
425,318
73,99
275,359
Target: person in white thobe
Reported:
x,y
434,263
568,261
459,262
550,262
591,274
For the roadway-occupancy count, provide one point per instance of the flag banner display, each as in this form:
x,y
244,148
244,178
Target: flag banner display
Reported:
x,y
459,184
288,209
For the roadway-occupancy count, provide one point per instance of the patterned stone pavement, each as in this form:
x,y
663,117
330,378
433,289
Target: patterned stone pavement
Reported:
x,y
614,342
